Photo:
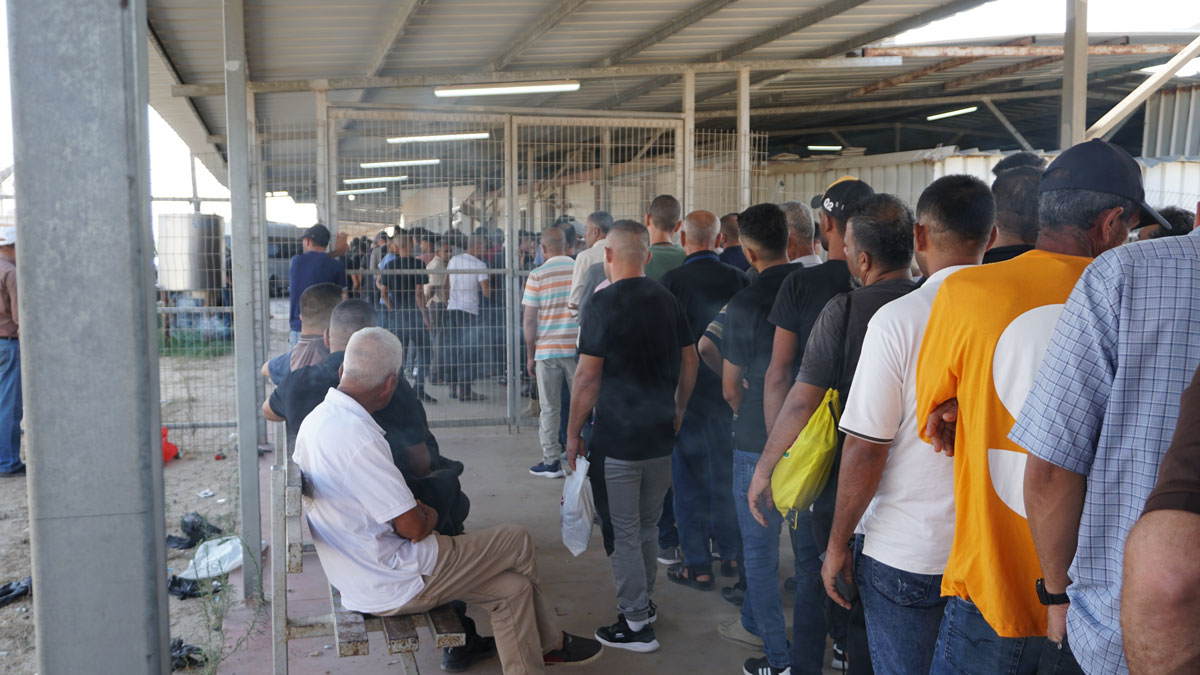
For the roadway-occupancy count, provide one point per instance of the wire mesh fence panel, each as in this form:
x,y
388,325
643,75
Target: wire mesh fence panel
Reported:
x,y
421,196
717,183
194,313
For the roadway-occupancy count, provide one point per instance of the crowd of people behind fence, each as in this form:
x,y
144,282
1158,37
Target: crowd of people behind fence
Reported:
x,y
1013,483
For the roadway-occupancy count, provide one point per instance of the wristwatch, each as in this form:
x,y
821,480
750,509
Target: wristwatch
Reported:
x,y
1050,598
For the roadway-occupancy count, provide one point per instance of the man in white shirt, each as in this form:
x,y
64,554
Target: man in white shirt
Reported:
x,y
462,317
376,542
595,233
892,485
802,234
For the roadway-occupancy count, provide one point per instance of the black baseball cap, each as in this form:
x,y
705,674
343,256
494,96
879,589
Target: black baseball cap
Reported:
x,y
843,195
319,234
1102,167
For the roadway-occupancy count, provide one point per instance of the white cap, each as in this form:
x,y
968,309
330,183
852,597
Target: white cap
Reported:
x,y
8,235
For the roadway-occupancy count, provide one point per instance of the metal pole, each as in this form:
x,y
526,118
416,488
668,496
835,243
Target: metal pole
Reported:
x,y
606,169
512,349
1074,91
323,191
96,513
238,146
195,192
1003,119
689,141
530,184
258,229
1143,92
743,137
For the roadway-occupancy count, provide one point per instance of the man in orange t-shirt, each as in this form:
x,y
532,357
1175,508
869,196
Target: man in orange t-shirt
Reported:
x,y
987,332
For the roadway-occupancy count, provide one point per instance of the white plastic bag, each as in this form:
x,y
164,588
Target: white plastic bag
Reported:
x,y
214,558
578,510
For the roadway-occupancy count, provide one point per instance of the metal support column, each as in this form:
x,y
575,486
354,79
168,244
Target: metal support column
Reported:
x,y
689,141
511,211
1074,91
606,170
258,231
195,192
89,345
743,137
324,207
244,316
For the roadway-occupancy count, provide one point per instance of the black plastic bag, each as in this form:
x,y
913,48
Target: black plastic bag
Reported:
x,y
189,588
196,528
15,590
185,656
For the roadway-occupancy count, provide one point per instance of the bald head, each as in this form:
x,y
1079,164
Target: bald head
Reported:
x,y
700,230
554,241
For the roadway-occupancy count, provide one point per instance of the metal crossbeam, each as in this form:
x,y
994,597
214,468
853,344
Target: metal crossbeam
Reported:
x,y
664,31
1012,129
475,77
1015,51
1143,92
894,28
555,16
919,73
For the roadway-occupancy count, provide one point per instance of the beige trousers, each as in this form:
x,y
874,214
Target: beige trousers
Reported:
x,y
494,569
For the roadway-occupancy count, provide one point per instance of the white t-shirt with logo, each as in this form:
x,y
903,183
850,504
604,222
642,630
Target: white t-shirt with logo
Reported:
x,y
909,524
357,491
464,288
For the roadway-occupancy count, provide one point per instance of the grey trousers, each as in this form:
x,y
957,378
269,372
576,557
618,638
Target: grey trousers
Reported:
x,y
552,376
635,501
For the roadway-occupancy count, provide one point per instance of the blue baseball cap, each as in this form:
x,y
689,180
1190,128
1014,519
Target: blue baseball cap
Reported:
x,y
1102,167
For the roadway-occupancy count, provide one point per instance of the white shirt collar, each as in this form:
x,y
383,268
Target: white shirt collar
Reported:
x,y
341,400
937,276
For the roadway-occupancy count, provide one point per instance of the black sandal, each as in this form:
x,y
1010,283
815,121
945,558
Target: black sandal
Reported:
x,y
686,576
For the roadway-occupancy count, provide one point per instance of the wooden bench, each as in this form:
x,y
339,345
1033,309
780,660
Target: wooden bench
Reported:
x,y
348,627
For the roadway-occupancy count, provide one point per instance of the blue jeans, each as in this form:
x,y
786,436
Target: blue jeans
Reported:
x,y
700,465
409,326
465,351
762,610
967,645
668,534
10,405
904,614
808,613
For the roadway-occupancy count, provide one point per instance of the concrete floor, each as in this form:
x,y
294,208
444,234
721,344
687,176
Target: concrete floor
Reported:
x,y
580,589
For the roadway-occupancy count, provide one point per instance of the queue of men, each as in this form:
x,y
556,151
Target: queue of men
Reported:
x,y
1010,373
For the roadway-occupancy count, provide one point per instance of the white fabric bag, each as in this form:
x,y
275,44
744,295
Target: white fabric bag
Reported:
x,y
578,509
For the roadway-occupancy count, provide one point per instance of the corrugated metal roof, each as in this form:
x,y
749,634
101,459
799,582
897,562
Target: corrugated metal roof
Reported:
x,y
309,39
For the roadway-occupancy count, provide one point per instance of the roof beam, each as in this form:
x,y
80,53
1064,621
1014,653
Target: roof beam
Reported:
x,y
475,77
664,31
405,9
157,47
907,102
555,16
1143,92
1007,125
788,27
1027,50
938,67
879,126
1023,66
894,28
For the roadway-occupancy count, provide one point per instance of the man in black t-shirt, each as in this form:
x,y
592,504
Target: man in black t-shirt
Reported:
x,y
805,292
702,463
746,350
879,249
1017,228
403,295
637,367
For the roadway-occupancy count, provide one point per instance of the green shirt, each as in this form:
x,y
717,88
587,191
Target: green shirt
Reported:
x,y
664,258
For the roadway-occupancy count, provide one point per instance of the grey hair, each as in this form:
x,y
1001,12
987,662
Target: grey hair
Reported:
x,y
1079,208
799,219
371,355
602,220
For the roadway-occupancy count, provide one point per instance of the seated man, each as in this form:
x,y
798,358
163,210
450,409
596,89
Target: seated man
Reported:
x,y
376,541
316,304
414,450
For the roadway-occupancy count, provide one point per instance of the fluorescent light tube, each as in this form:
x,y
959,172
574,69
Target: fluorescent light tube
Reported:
x,y
362,191
508,88
471,136
826,148
400,162
952,113
374,179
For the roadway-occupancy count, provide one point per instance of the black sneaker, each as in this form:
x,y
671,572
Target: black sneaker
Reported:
x,y
839,660
459,659
621,636
734,594
547,470
575,651
760,666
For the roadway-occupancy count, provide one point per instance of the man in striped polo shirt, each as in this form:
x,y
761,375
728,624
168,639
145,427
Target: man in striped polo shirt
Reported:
x,y
550,336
